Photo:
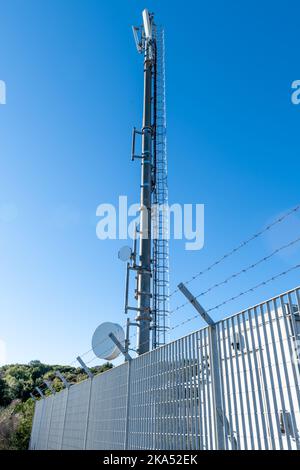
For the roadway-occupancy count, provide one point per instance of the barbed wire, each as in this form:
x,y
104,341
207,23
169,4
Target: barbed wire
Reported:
x,y
225,281
44,387
94,358
239,273
211,309
231,299
238,247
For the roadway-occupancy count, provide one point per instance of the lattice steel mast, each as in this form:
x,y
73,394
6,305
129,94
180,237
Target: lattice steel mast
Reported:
x,y
152,269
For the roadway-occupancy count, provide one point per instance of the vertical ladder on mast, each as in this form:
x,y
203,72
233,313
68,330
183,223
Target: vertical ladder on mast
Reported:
x,y
160,307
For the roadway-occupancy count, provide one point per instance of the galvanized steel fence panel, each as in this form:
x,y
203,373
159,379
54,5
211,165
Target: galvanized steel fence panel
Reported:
x,y
56,430
76,421
36,424
165,399
108,410
45,423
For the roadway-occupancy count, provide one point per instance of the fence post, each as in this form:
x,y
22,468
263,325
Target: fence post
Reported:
x,y
67,387
216,387
128,358
91,376
88,414
214,367
65,415
40,424
50,420
127,407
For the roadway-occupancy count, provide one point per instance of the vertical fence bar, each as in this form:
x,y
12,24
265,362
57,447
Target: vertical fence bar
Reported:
x,y
226,382
64,418
199,393
263,382
187,393
240,403
181,388
250,348
178,395
283,365
209,411
169,397
157,401
173,396
246,383
293,367
205,395
216,387
252,315
271,396
127,405
88,413
52,397
194,390
233,386
278,374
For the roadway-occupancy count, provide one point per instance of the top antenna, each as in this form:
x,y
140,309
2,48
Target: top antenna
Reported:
x,y
147,20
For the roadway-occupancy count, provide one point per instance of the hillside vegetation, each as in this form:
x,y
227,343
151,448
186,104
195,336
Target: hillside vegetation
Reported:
x,y
16,406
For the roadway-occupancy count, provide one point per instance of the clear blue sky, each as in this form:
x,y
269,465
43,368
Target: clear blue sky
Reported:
x,y
74,90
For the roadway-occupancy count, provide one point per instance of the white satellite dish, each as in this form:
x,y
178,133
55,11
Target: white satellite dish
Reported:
x,y
125,253
103,346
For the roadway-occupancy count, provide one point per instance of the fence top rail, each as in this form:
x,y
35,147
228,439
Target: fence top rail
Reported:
x,y
283,294
82,381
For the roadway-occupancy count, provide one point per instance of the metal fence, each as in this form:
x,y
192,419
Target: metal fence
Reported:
x,y
240,392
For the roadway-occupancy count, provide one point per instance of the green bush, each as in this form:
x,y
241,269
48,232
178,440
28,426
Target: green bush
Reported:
x,y
21,437
16,406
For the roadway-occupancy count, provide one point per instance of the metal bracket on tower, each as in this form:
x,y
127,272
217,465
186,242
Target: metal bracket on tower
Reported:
x,y
138,42
127,289
137,269
127,339
133,154
134,247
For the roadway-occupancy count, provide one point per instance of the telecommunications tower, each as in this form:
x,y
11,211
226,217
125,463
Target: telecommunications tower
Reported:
x,y
150,259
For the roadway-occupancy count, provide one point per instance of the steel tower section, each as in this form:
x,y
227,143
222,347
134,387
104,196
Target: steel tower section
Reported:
x,y
144,274
152,268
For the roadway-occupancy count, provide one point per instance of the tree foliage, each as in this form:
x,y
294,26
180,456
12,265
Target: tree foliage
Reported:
x,y
24,411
